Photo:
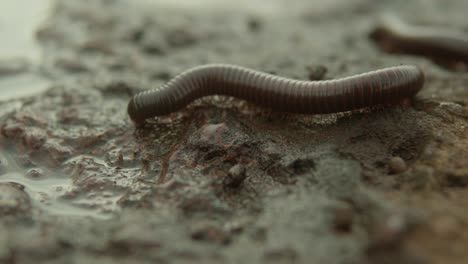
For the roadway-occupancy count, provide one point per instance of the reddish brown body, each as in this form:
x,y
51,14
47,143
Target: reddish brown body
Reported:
x,y
441,45
379,87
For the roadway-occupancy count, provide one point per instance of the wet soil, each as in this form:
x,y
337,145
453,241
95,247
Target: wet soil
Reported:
x,y
224,181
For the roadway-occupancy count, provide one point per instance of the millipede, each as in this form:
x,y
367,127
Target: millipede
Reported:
x,y
379,87
395,36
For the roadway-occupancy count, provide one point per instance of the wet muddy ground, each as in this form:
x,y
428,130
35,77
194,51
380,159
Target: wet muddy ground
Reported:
x,y
223,180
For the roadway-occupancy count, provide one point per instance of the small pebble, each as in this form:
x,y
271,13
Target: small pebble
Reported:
x,y
34,138
162,75
368,176
179,38
98,46
13,200
213,133
154,48
343,220
316,72
34,173
71,66
396,165
235,177
209,233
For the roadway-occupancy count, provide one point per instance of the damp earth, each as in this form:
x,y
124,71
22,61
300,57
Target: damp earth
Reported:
x,y
224,181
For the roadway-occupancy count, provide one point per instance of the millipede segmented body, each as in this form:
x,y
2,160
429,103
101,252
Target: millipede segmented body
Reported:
x,y
441,44
378,87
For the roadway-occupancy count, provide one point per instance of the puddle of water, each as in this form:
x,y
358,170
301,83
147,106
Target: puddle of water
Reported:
x,y
273,8
21,85
48,191
255,6
18,23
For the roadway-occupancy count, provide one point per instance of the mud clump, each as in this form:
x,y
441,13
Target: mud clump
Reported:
x,y
235,177
316,72
397,165
209,233
14,201
343,220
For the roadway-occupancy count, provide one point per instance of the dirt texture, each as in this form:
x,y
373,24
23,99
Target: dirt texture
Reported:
x,y
224,181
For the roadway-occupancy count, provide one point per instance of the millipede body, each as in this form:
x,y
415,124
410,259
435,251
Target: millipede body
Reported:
x,y
441,44
384,86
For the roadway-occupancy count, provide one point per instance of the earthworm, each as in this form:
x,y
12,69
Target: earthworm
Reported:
x,y
378,87
441,44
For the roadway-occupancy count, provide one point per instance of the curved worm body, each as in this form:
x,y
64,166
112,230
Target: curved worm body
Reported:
x,y
395,36
383,86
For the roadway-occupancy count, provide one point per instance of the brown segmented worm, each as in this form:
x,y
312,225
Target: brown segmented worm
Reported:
x,y
441,44
384,86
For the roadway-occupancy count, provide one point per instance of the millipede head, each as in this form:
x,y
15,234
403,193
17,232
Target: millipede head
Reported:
x,y
137,120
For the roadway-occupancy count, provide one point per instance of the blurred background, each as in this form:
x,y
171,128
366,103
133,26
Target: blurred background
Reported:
x,y
19,50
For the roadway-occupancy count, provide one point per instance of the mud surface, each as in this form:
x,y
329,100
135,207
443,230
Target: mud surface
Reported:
x,y
223,181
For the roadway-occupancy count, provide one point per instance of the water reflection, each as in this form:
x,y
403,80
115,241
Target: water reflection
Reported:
x,y
47,190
